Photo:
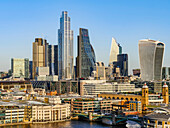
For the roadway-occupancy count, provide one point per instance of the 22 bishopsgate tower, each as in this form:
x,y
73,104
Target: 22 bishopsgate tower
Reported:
x,y
65,48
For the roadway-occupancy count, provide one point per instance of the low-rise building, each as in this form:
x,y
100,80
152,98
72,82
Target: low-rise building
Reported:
x,y
94,87
50,113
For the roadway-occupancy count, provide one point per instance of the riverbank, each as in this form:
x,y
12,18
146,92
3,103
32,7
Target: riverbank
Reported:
x,y
27,123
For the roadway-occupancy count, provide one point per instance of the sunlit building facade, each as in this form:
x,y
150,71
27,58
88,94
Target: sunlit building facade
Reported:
x,y
65,48
114,51
151,58
40,54
20,67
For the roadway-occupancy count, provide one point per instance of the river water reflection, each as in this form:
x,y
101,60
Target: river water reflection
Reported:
x,y
67,124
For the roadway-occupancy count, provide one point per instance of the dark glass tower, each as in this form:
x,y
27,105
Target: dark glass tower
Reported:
x,y
122,63
53,59
86,57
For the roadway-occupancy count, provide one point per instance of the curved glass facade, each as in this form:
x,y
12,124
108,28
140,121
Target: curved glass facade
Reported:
x,y
151,58
86,56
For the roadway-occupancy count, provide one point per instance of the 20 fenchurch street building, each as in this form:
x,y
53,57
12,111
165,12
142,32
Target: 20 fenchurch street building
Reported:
x,y
65,47
151,58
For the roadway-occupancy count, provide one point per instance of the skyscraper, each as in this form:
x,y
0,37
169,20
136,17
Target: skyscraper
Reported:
x,y
65,47
151,58
120,49
40,54
86,56
20,67
53,59
122,63
114,51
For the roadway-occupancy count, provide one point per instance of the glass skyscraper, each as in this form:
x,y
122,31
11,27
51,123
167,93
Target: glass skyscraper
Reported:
x,y
151,59
122,63
53,59
86,57
65,48
114,51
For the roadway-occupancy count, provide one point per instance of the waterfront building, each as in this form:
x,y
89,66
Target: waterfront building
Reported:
x,y
151,58
100,71
85,105
47,113
86,56
158,120
53,59
65,48
20,68
40,55
11,114
114,51
30,111
132,105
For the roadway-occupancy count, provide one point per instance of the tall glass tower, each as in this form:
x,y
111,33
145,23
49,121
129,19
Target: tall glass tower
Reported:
x,y
151,59
86,57
114,51
65,48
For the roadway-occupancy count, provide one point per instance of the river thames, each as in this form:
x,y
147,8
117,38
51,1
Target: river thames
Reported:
x,y
66,124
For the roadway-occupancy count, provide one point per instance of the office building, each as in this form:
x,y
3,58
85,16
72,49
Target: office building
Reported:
x,y
86,56
40,55
47,113
30,69
136,72
20,67
120,49
151,58
53,59
100,70
165,73
114,51
94,87
65,48
122,64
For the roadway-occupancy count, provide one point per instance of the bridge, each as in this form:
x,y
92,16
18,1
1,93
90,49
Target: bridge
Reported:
x,y
90,116
115,121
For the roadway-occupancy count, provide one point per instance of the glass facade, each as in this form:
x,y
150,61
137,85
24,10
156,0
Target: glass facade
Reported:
x,y
65,48
53,59
86,56
122,62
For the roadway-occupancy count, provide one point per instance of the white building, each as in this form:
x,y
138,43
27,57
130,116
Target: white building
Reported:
x,y
47,113
94,87
114,51
151,57
20,67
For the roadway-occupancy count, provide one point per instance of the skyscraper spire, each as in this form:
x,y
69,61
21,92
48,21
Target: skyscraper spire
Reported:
x,y
114,51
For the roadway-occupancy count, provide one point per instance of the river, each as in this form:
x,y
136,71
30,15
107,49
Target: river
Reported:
x,y
67,124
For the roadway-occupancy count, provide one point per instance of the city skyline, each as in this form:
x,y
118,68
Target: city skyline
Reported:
x,y
128,36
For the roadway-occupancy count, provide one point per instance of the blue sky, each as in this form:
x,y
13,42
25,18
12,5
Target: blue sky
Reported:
x,y
128,21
